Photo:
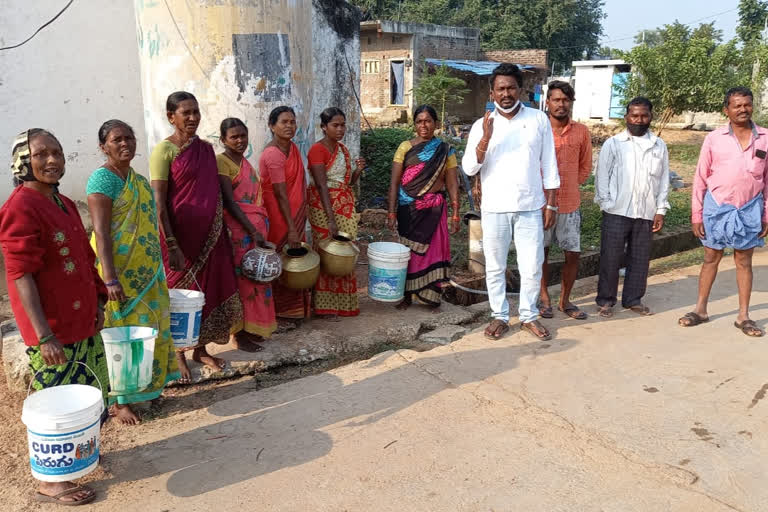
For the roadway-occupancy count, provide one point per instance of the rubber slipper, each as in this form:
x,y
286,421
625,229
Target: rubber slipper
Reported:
x,y
574,312
542,333
495,324
56,498
546,312
750,328
693,318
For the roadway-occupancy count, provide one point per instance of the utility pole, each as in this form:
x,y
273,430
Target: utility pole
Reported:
x,y
757,85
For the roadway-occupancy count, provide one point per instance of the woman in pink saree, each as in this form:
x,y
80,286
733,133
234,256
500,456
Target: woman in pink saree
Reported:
x,y
197,252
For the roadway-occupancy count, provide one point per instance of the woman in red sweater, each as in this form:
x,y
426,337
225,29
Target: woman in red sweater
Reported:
x,y
55,291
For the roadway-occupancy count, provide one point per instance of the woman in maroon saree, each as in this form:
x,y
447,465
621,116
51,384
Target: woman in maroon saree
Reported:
x,y
197,252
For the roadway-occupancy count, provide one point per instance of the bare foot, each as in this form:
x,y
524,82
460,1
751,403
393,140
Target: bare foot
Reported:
x,y
405,304
331,318
202,356
56,488
247,342
124,414
186,375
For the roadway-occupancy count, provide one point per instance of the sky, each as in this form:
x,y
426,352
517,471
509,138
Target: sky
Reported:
x,y
626,18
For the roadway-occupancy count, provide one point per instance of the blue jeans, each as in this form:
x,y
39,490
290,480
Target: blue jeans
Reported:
x,y
527,228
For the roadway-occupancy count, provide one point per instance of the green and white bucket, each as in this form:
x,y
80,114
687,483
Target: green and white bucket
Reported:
x,y
130,354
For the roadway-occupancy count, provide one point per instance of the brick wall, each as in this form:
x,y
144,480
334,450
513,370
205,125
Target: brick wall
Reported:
x,y
375,87
536,58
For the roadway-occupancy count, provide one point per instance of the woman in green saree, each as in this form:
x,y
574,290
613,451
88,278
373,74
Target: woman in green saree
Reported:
x,y
126,241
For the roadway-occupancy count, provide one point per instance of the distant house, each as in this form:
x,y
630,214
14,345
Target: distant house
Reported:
x,y
393,55
597,97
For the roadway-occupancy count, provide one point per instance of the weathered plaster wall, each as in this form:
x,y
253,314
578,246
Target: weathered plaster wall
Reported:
x,y
242,58
336,66
78,72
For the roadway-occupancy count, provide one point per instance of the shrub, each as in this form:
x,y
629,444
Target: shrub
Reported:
x,y
378,147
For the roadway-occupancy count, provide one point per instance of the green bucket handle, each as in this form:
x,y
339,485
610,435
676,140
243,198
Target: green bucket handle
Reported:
x,y
157,317
29,389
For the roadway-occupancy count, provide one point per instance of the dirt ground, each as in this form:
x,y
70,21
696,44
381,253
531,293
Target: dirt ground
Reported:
x,y
18,481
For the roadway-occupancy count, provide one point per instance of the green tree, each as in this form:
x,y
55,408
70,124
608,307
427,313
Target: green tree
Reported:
x,y
657,36
606,52
649,38
569,29
687,71
752,15
437,87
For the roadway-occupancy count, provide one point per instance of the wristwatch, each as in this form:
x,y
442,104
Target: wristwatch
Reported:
x,y
553,208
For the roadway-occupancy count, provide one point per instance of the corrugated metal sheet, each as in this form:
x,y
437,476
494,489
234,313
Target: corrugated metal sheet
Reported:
x,y
478,67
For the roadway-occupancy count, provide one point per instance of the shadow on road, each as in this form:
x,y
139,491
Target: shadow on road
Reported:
x,y
682,293
281,427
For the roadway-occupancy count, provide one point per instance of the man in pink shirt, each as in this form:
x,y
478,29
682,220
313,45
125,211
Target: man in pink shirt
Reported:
x,y
728,207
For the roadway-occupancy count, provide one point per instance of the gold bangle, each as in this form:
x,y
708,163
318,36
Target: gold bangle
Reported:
x,y
481,150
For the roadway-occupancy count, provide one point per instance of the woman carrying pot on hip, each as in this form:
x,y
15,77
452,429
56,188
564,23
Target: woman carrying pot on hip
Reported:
x,y
332,210
246,219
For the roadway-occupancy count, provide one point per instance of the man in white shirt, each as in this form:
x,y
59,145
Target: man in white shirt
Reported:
x,y
513,150
631,187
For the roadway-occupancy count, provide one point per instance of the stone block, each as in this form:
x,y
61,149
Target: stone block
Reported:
x,y
443,335
459,316
402,334
480,310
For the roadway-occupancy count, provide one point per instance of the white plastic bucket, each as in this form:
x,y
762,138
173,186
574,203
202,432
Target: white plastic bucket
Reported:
x,y
387,268
130,354
63,425
186,315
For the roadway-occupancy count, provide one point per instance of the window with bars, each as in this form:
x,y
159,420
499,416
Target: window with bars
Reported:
x,y
371,67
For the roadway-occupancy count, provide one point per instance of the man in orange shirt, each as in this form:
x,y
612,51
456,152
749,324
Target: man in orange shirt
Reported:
x,y
573,147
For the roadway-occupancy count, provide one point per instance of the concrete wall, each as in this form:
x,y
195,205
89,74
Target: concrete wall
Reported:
x,y
242,58
78,72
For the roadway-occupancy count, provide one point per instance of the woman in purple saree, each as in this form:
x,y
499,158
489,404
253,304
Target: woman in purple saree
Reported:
x,y
197,252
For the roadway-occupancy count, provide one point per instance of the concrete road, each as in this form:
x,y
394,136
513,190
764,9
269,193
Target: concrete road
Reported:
x,y
629,414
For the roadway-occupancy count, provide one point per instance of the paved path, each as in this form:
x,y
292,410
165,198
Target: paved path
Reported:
x,y
630,414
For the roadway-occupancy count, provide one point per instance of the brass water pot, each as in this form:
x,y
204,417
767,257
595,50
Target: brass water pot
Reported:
x,y
301,267
338,255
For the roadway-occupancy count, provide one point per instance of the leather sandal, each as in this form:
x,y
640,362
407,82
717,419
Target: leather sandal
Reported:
x,y
496,329
538,330
750,328
692,319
